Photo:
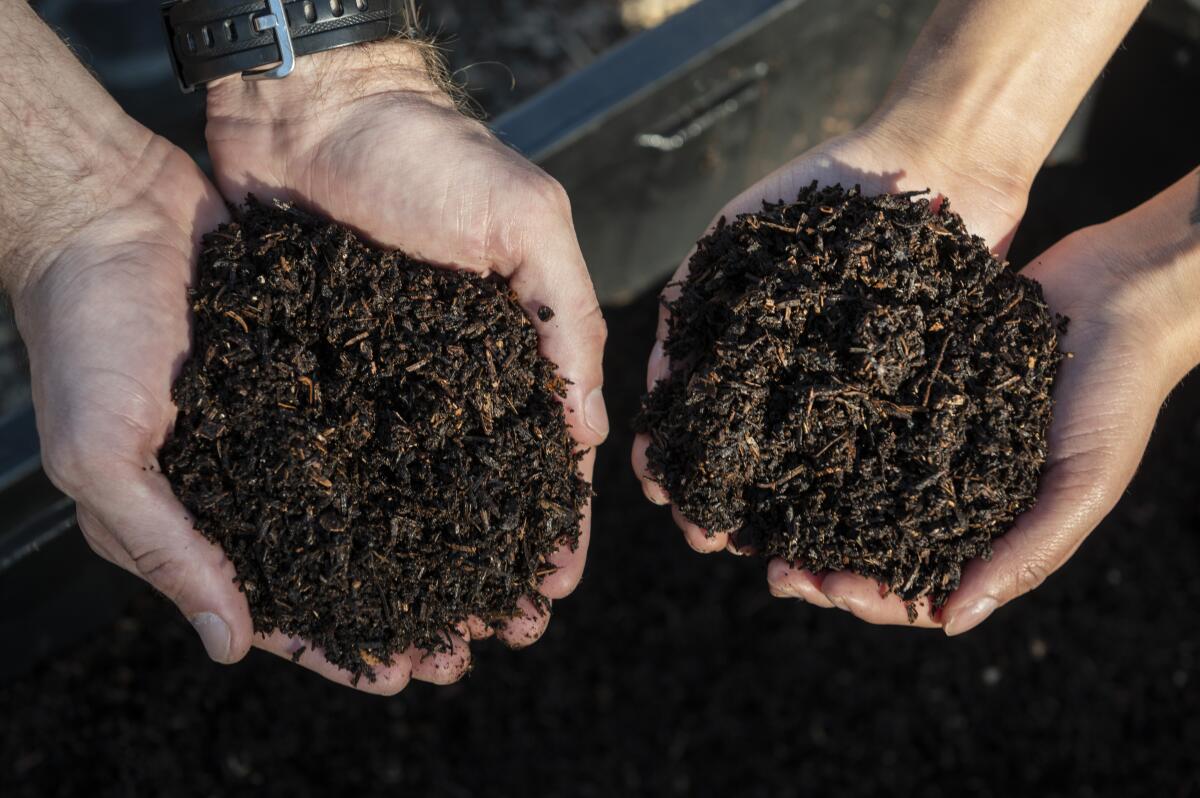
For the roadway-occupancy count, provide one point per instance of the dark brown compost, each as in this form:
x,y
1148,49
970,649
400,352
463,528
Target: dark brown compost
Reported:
x,y
375,442
857,384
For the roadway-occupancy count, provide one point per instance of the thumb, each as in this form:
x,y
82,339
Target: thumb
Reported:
x,y
554,285
1106,408
134,521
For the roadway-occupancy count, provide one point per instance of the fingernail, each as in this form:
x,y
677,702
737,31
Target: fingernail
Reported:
x,y
655,496
970,616
215,635
595,414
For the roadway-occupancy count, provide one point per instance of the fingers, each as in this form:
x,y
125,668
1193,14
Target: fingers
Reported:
x,y
849,592
526,628
862,598
442,667
389,679
439,668
556,290
657,368
652,490
699,539
477,629
787,581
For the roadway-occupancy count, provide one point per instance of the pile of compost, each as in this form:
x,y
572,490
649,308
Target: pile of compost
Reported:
x,y
375,442
857,383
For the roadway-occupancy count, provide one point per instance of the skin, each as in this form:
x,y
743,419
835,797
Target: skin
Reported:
x,y
972,117
101,221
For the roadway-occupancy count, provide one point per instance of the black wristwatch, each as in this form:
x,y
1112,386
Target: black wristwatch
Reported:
x,y
211,39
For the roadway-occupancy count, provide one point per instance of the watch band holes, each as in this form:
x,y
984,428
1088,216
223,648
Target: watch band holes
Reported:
x,y
310,12
336,7
189,41
230,31
206,32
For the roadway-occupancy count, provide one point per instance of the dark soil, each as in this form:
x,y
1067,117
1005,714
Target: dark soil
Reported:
x,y
857,384
671,674
375,442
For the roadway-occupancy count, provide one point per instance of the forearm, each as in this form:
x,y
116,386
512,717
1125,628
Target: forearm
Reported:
x,y
992,83
66,144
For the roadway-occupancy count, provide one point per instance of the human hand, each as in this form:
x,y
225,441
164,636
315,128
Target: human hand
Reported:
x,y
879,162
99,227
100,295
1130,288
368,137
970,117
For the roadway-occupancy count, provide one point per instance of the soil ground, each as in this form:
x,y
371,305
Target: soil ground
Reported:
x,y
673,674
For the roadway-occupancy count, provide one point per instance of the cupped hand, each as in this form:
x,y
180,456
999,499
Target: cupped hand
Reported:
x,y
369,137
991,205
104,314
1129,288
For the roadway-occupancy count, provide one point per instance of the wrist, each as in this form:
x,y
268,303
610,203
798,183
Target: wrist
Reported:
x,y
994,82
64,177
66,145
969,133
273,127
327,80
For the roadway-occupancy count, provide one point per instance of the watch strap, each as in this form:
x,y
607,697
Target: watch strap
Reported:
x,y
211,39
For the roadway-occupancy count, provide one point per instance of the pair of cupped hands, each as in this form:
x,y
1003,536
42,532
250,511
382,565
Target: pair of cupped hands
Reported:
x,y
104,311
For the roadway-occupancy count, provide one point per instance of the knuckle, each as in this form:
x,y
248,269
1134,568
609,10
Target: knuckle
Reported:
x,y
70,461
1030,576
597,327
546,193
164,571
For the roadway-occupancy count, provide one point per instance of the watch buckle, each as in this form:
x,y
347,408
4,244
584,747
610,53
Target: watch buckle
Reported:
x,y
275,19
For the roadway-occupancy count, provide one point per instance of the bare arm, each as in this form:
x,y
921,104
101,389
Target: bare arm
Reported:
x,y
98,226
66,144
992,83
